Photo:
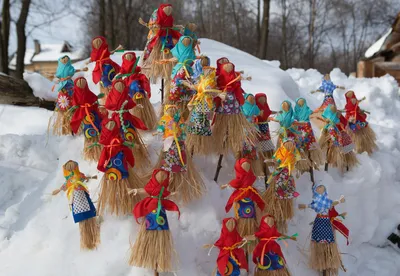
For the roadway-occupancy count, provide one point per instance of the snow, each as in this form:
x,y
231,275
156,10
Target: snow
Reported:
x,y
39,238
41,86
376,47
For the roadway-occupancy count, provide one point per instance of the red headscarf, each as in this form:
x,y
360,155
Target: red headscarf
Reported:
x,y
228,243
220,64
353,110
127,67
113,144
101,56
243,185
165,22
231,82
120,100
267,236
343,123
153,189
86,103
264,107
337,224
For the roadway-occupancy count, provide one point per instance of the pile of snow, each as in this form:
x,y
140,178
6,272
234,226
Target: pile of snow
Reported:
x,y
38,236
41,86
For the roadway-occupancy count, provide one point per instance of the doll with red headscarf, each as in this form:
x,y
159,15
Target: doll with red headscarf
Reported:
x,y
153,248
105,68
244,200
231,258
119,104
281,190
267,148
230,127
139,89
162,37
116,161
86,117
174,157
268,255
361,133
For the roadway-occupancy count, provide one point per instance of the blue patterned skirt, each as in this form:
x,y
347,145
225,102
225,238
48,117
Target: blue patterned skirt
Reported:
x,y
322,230
157,223
232,269
82,206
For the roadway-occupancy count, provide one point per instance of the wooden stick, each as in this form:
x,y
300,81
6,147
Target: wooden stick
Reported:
x,y
219,166
266,176
311,169
156,273
326,162
162,90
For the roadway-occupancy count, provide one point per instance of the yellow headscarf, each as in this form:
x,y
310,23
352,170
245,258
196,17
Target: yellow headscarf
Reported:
x,y
73,178
287,158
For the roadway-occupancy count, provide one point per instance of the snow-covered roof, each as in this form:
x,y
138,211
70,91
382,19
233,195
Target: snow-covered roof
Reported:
x,y
376,47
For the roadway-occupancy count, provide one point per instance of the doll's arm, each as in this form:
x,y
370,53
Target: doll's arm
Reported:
x,y
120,47
341,200
164,61
141,22
302,206
340,87
188,84
271,119
250,237
246,78
62,188
316,91
294,238
139,191
81,70
274,112
223,187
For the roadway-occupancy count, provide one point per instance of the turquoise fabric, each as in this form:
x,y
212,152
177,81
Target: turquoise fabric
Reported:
x,y
185,56
302,113
63,71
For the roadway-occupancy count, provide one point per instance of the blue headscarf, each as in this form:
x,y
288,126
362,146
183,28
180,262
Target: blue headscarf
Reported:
x,y
184,54
330,116
302,113
63,71
320,203
198,68
187,32
250,110
285,118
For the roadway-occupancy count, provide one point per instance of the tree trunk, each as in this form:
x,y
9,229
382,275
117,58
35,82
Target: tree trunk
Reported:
x,y
110,21
21,38
102,19
5,35
237,24
258,21
262,50
311,29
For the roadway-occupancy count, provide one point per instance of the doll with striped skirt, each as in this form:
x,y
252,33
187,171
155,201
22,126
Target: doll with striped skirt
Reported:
x,y
245,200
81,206
360,132
325,255
153,248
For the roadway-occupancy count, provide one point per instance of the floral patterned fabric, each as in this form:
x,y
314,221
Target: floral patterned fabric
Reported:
x,y
249,151
64,97
285,187
171,161
334,135
179,92
346,142
307,138
328,99
199,123
229,106
157,223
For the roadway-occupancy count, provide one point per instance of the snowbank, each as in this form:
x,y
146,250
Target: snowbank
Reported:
x,y
38,236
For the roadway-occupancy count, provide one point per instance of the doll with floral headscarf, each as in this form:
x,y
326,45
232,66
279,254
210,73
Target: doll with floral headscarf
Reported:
x,y
162,37
267,255
139,89
86,117
119,104
117,162
174,157
81,206
153,248
281,190
65,89
325,255
230,127
231,258
361,133
105,68
335,142
309,144
244,200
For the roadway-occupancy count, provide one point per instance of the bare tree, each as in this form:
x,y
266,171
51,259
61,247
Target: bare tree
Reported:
x,y
102,17
5,36
262,51
21,38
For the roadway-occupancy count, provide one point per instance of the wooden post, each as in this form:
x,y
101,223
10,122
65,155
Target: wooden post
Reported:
x,y
311,169
219,166
326,163
162,90
324,273
266,176
156,273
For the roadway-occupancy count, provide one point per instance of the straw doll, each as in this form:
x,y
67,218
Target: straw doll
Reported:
x,y
268,255
361,133
231,258
65,88
327,87
105,68
87,117
244,200
267,148
116,161
281,190
174,158
347,145
153,248
309,145
190,30
325,255
139,89
230,127
119,104
83,210
162,37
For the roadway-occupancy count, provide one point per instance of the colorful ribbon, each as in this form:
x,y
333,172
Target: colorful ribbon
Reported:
x,y
132,72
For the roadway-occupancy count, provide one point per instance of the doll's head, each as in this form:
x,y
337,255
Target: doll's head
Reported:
x,y
70,169
170,109
186,41
205,61
327,77
119,86
70,165
333,108
223,60
161,175
269,220
301,102
81,82
228,67
168,10
289,145
230,224
320,189
128,56
350,96
285,106
110,125
262,99
191,26
64,59
96,43
250,98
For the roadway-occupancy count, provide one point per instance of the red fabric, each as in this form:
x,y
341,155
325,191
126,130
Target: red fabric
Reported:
x,y
353,110
342,124
164,21
114,102
113,144
143,81
80,98
243,180
224,82
264,107
127,65
153,189
219,65
338,225
266,232
229,239
101,56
